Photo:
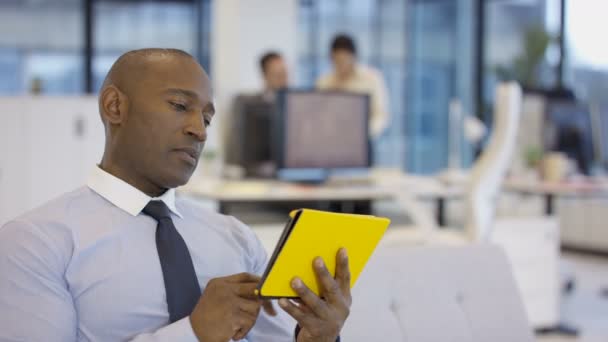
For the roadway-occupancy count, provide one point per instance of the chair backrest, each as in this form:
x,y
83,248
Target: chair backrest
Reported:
x,y
437,294
489,170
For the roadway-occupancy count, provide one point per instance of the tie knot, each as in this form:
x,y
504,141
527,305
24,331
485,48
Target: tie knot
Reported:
x,y
157,210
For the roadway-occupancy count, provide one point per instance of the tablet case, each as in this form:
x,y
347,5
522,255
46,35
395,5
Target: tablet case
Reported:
x,y
311,233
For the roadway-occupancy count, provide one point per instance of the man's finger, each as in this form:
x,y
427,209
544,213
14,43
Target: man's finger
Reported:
x,y
269,308
239,335
309,298
245,324
249,306
246,290
304,319
329,286
243,278
302,306
343,273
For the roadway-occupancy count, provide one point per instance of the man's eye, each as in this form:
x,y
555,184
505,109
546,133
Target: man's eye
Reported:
x,y
178,106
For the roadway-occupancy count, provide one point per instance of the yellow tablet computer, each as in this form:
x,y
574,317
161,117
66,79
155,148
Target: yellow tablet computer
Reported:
x,y
311,233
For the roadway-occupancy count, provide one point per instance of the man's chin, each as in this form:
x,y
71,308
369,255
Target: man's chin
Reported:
x,y
179,179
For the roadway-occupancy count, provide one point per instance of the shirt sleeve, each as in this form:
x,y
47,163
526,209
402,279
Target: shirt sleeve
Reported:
x,y
35,303
279,328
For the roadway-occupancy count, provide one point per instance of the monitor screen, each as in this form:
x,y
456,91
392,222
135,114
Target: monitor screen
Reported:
x,y
568,130
323,130
257,132
249,140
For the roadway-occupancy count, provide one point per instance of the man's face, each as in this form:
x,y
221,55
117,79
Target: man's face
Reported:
x,y
275,75
166,126
344,62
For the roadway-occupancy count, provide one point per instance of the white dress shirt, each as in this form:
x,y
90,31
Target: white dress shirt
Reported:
x,y
84,267
368,81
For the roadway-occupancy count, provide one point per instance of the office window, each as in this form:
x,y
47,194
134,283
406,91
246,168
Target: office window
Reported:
x,y
587,58
128,25
41,45
439,72
511,26
42,42
378,28
10,77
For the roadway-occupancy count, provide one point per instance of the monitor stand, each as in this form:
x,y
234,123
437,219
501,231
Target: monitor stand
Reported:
x,y
303,176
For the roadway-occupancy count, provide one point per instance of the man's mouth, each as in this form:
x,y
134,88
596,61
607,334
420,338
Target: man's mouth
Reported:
x,y
189,154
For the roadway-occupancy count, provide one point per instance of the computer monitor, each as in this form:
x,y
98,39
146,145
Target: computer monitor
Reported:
x,y
321,131
568,129
250,138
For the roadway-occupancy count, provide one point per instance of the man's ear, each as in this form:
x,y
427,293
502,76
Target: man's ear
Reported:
x,y
114,105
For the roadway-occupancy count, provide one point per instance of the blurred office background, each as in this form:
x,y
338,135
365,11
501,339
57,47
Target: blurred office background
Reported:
x,y
434,55
430,52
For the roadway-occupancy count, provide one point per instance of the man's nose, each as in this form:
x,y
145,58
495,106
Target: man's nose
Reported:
x,y
196,127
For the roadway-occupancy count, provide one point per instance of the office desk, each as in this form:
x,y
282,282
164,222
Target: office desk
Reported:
x,y
440,197
551,190
227,192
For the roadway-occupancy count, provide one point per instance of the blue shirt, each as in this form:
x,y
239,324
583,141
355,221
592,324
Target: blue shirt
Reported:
x,y
84,267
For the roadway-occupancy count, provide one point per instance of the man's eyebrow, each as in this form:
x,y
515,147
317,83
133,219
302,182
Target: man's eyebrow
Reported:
x,y
209,107
184,92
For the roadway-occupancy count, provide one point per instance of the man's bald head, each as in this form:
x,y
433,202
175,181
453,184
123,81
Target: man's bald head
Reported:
x,y
134,66
153,103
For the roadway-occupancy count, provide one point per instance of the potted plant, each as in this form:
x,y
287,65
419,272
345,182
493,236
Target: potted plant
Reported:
x,y
525,67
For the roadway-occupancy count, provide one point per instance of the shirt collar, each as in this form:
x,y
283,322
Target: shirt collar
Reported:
x,y
124,195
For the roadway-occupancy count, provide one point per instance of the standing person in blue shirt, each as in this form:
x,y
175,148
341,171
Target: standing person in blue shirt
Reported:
x,y
123,259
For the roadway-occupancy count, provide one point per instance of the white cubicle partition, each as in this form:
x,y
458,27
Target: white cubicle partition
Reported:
x,y
583,220
48,145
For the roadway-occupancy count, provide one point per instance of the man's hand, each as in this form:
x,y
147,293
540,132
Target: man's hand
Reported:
x,y
228,308
321,320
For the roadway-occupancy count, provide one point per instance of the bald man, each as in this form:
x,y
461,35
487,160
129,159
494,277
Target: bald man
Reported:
x,y
122,259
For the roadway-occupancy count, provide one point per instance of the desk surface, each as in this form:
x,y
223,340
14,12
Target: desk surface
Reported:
x,y
269,191
422,188
566,188
274,191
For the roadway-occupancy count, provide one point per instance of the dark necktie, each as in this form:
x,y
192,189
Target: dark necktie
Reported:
x,y
181,284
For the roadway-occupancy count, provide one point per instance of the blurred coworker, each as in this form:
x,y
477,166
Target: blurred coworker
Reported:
x,y
348,75
252,151
124,259
274,71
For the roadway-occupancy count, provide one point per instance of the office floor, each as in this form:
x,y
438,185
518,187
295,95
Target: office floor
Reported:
x,y
585,307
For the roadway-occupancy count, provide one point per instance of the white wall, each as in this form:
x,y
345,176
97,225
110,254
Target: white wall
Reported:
x,y
48,146
242,30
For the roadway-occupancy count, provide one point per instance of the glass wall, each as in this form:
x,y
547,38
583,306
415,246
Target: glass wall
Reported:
x,y
587,59
378,27
41,46
442,54
120,27
425,52
42,42
440,72
521,43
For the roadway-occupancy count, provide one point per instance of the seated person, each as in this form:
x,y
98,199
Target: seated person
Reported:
x,y
123,259
252,119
